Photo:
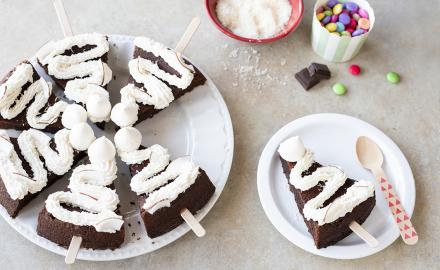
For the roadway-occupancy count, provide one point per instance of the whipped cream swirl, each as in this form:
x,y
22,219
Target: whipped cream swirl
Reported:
x,y
155,178
14,98
33,144
333,177
155,90
85,72
90,192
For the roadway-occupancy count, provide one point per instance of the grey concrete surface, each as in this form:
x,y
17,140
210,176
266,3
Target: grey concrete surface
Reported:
x,y
405,39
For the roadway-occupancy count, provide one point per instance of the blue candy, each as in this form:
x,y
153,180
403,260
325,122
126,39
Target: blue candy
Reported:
x,y
332,3
344,18
353,7
340,27
357,32
326,19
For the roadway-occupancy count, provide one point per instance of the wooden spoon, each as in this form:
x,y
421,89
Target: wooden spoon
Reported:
x,y
371,158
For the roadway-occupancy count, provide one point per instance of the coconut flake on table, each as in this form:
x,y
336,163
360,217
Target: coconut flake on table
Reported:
x,y
254,18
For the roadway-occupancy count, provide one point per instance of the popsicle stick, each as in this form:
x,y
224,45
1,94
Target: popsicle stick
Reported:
x,y
74,246
363,234
186,38
62,18
75,243
192,223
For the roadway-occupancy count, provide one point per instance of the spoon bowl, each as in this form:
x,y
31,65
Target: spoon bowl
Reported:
x,y
368,153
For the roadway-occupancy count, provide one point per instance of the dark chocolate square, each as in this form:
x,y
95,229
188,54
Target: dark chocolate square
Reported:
x,y
319,70
305,79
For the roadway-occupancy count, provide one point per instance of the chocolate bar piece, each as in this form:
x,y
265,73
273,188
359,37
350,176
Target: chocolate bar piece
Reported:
x,y
319,70
305,79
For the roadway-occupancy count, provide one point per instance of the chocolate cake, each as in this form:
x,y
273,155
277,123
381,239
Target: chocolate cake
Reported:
x,y
157,77
20,122
90,206
165,188
166,219
327,233
148,111
12,206
61,232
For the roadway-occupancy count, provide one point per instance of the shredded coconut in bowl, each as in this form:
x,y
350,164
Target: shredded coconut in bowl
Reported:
x,y
256,19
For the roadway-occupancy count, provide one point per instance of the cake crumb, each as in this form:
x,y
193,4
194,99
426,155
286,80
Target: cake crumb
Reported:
x,y
283,62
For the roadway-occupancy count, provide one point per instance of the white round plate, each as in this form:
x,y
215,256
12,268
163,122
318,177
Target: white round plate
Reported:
x,y
332,138
198,124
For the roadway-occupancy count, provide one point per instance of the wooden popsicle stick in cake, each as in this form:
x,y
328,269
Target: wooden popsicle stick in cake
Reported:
x,y
27,101
169,192
78,64
34,161
158,76
370,156
326,198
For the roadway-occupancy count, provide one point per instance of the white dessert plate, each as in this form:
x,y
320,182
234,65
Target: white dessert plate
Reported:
x,y
332,138
198,124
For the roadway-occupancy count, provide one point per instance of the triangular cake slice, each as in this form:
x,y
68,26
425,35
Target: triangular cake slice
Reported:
x,y
326,198
90,208
165,188
27,101
34,161
78,64
158,76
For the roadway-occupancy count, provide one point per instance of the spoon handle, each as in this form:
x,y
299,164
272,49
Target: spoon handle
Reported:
x,y
407,230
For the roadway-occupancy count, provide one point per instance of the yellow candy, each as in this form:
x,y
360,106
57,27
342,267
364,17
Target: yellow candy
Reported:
x,y
364,23
331,27
337,9
320,16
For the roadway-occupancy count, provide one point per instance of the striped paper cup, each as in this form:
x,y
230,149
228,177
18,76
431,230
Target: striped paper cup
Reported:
x,y
336,48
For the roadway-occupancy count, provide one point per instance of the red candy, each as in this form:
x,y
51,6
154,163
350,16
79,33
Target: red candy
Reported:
x,y
354,69
351,30
352,24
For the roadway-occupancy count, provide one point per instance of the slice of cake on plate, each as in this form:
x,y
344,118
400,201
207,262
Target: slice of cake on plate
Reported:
x,y
90,208
326,198
27,101
79,65
158,76
34,161
165,188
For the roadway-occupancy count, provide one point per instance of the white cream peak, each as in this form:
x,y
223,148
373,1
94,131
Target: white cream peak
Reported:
x,y
125,114
73,114
128,139
292,149
101,150
81,136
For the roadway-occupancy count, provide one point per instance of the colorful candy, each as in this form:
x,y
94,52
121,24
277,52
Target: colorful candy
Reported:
x,y
331,27
357,32
393,77
343,18
339,27
339,89
354,69
364,23
363,13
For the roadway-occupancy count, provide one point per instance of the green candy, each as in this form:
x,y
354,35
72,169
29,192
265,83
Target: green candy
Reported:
x,y
339,89
393,77
328,13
